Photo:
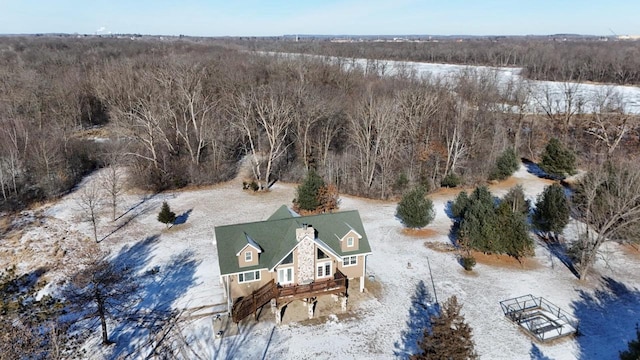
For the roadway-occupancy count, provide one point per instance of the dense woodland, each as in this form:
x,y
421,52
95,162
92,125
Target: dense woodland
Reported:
x,y
186,112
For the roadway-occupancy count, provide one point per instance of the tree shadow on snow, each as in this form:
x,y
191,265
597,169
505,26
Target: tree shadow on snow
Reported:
x,y
455,225
536,354
144,200
423,307
608,317
535,169
231,347
150,308
558,250
182,218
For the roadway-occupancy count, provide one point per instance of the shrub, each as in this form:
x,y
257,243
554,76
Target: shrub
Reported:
x,y
468,262
451,180
506,164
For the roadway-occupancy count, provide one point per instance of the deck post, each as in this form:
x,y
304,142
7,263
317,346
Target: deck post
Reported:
x,y
274,306
344,303
278,313
311,306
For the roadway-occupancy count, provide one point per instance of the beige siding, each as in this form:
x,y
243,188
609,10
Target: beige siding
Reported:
x,y
353,271
244,289
294,265
343,242
254,257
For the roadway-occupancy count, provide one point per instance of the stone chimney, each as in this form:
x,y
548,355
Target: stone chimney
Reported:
x,y
305,230
306,253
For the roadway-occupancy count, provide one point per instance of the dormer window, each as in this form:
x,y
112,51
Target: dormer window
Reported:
x,y
248,256
350,241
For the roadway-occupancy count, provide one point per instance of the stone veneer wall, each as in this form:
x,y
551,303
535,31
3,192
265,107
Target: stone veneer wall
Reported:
x,y
306,256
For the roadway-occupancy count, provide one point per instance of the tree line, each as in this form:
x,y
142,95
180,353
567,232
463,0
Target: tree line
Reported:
x,y
182,112
614,62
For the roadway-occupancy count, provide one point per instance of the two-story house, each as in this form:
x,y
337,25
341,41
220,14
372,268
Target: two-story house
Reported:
x,y
302,256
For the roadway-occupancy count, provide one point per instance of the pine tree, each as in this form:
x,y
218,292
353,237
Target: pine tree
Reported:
x,y
506,164
552,210
449,337
166,216
633,353
478,223
415,210
557,160
307,193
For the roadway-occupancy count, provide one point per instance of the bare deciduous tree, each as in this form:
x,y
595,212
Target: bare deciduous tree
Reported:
x,y
90,200
112,181
608,202
100,288
609,120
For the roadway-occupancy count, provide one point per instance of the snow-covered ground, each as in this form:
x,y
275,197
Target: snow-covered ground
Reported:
x,y
384,324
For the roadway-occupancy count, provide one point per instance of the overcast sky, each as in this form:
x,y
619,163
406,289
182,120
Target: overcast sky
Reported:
x,y
330,17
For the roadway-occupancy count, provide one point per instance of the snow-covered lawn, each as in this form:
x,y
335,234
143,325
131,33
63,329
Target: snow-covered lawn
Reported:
x,y
383,324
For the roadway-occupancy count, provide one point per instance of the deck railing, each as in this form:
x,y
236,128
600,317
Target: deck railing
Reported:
x,y
337,284
251,303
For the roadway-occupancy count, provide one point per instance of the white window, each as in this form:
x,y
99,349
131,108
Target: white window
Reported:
x,y
248,256
350,241
249,276
323,269
350,261
285,276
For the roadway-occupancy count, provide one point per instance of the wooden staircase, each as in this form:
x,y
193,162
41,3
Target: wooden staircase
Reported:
x,y
251,303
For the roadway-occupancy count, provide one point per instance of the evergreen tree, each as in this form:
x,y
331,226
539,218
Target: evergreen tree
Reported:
x,y
485,227
449,338
460,205
478,223
516,200
166,216
307,193
557,160
633,353
512,232
552,210
506,164
415,210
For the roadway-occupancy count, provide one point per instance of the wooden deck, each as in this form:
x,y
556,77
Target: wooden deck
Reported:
x,y
332,286
244,307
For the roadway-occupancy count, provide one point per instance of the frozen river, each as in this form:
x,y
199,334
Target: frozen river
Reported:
x,y
551,95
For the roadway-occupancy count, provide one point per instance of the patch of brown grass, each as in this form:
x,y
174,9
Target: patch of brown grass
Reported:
x,y
424,232
505,261
439,246
631,249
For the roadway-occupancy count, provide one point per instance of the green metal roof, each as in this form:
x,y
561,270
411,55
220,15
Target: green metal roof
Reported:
x,y
276,237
